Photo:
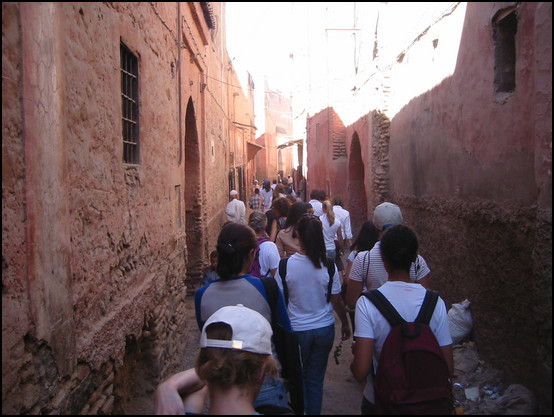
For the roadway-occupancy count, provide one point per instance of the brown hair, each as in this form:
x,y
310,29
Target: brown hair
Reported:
x,y
234,244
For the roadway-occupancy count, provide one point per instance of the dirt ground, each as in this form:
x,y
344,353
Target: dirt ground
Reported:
x,y
342,394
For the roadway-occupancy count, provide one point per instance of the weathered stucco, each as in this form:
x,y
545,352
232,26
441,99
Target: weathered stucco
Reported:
x,y
98,255
472,171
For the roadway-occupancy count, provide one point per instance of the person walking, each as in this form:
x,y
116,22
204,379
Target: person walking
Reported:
x,y
236,246
268,255
235,210
385,215
316,202
267,194
235,355
343,217
256,201
331,231
287,239
277,216
398,249
311,302
366,239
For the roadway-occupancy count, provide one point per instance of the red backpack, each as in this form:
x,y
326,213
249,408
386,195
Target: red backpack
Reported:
x,y
255,269
412,376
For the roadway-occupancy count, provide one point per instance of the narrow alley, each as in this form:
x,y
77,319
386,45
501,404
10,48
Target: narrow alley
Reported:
x,y
125,126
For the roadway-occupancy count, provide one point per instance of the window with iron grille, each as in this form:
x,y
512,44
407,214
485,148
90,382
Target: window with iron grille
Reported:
x,y
129,105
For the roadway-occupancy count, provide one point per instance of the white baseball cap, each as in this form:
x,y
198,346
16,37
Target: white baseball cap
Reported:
x,y
233,192
387,215
251,331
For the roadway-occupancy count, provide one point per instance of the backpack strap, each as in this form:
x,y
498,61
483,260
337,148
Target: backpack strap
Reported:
x,y
283,274
384,306
257,257
428,307
331,272
272,291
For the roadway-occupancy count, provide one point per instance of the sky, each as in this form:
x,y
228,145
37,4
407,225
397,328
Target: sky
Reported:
x,y
258,43
321,54
305,50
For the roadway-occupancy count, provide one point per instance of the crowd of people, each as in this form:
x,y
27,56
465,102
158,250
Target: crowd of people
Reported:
x,y
301,246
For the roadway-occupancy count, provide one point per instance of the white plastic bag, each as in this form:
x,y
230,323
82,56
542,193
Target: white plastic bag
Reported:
x,y
459,318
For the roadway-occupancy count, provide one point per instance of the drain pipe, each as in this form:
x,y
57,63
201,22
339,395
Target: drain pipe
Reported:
x,y
179,83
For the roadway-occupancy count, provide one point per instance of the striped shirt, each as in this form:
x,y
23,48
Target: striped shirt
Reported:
x,y
368,268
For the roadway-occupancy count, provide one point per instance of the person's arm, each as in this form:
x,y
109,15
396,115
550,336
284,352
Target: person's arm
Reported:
x,y
353,291
340,239
273,234
363,358
449,357
348,269
187,384
338,306
280,245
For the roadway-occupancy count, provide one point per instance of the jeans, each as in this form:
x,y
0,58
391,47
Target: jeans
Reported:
x,y
273,392
315,346
331,254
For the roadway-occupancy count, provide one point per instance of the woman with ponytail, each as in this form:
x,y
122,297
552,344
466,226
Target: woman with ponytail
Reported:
x,y
236,246
331,230
312,296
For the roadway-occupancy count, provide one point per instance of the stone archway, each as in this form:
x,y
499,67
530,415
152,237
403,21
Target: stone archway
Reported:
x,y
192,199
357,199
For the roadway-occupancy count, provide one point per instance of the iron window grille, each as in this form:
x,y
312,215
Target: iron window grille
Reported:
x,y
129,105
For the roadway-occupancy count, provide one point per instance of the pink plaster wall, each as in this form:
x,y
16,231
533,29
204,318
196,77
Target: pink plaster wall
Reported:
x,y
472,173
326,170
98,255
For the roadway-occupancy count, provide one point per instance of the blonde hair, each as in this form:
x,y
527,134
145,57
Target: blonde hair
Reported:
x,y
329,211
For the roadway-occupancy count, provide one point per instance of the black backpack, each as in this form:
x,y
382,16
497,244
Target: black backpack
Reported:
x,y
283,274
288,352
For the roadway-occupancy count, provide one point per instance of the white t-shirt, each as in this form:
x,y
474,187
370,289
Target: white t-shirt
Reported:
x,y
374,274
344,217
269,257
407,299
307,288
329,231
267,197
317,206
235,211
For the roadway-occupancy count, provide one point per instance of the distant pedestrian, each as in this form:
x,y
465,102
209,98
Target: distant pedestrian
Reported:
x,y
343,216
210,274
235,210
268,254
280,209
255,185
287,240
301,192
267,193
256,201
315,201
331,230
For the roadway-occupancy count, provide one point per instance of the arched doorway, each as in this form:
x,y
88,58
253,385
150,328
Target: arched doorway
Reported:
x,y
357,203
192,199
